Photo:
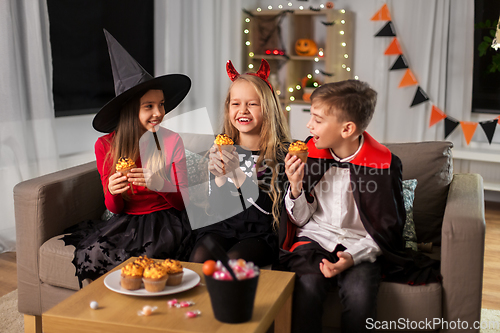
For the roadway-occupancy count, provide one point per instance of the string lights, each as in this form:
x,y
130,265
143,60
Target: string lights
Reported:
x,y
291,89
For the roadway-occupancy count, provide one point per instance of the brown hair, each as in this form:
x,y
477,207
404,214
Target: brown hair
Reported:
x,y
352,100
125,142
274,134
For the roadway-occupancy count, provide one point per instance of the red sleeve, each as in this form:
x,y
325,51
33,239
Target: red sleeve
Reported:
x,y
114,203
174,189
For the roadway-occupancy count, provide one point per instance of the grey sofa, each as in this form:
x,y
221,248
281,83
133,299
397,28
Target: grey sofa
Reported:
x,y
448,211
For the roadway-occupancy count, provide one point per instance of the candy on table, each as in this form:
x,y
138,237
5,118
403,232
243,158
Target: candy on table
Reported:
x,y
147,310
193,314
172,302
182,304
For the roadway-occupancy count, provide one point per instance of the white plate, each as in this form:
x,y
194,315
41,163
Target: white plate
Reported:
x,y
189,280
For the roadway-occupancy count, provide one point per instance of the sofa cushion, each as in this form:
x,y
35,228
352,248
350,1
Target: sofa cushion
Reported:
x,y
398,300
197,168
409,233
431,164
56,267
395,301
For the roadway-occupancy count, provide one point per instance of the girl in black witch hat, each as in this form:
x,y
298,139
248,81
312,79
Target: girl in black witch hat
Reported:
x,y
149,216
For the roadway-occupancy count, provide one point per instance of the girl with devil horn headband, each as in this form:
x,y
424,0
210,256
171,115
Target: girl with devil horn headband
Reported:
x,y
246,181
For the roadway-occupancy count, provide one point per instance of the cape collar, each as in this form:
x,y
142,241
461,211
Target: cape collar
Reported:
x,y
372,154
353,156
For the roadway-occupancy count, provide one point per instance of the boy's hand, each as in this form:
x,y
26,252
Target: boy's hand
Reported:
x,y
330,270
294,169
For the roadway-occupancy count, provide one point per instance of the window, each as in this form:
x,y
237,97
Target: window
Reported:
x,y
486,84
82,77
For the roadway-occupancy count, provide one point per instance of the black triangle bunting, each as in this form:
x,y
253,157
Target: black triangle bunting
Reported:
x,y
387,31
489,128
420,97
400,63
449,125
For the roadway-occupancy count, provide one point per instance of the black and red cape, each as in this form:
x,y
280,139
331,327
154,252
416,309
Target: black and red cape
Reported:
x,y
376,182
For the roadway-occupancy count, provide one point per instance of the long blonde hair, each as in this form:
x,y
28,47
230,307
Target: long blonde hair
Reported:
x,y
275,134
125,142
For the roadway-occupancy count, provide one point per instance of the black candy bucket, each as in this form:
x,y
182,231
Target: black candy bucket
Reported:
x,y
232,301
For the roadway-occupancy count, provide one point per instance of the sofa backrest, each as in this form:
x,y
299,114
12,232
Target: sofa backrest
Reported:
x,y
431,164
197,143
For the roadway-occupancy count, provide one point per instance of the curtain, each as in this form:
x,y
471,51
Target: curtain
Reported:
x,y
436,37
27,141
196,38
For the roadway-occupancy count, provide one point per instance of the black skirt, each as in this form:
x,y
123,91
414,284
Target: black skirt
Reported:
x,y
102,245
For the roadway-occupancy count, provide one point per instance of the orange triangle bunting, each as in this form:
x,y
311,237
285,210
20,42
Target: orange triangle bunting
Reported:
x,y
436,116
382,14
408,79
468,127
394,48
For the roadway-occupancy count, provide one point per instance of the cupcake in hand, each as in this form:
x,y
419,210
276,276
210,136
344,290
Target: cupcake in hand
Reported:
x,y
223,142
124,165
299,149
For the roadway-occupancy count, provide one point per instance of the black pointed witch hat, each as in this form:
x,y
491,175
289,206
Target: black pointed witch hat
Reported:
x,y
130,79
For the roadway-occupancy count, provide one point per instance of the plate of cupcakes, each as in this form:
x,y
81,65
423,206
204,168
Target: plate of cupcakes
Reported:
x,y
149,277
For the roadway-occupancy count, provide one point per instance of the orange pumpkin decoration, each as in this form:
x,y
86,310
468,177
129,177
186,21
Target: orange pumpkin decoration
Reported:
x,y
306,47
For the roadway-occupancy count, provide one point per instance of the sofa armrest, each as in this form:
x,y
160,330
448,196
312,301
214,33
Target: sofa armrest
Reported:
x,y
44,207
462,251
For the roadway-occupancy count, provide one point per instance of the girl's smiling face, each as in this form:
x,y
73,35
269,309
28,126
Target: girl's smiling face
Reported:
x,y
151,109
245,111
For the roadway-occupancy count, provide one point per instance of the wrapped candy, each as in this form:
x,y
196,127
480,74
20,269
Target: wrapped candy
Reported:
x,y
193,314
147,310
172,302
182,304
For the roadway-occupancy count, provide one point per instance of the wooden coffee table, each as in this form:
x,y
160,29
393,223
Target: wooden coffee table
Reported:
x,y
118,312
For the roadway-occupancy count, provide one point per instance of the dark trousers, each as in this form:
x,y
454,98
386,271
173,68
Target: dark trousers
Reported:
x,y
358,290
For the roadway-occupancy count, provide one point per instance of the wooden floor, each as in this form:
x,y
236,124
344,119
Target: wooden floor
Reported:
x,y
8,273
491,291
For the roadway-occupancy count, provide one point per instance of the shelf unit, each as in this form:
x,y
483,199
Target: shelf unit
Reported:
x,y
481,162
331,29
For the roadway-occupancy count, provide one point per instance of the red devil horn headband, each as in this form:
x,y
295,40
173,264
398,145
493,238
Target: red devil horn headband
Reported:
x,y
263,72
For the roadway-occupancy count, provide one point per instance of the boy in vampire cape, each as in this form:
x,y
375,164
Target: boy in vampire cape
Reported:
x,y
344,215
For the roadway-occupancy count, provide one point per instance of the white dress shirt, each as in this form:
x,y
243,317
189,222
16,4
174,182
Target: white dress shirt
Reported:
x,y
333,218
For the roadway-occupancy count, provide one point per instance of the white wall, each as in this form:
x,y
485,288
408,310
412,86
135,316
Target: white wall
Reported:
x,y
76,137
